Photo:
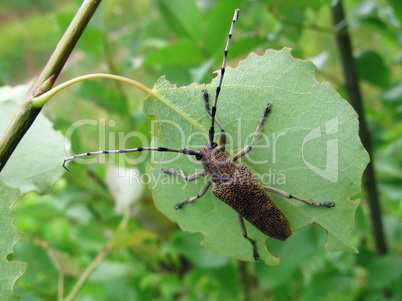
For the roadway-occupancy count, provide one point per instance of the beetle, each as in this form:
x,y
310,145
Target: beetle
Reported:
x,y
234,184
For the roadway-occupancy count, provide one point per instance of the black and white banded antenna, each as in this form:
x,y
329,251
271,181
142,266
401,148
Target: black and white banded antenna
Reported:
x,y
198,154
211,143
184,151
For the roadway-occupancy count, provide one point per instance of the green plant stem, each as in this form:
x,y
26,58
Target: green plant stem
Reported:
x,y
97,260
60,272
27,113
84,277
40,101
246,280
353,90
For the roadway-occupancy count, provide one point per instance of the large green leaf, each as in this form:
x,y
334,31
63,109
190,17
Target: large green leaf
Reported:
x,y
309,147
10,271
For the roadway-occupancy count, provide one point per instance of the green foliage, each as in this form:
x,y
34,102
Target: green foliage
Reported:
x,y
372,68
301,108
9,236
91,210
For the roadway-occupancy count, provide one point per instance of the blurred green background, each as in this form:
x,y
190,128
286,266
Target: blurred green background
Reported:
x,y
67,227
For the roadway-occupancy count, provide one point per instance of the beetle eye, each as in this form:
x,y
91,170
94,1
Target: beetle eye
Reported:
x,y
212,146
199,156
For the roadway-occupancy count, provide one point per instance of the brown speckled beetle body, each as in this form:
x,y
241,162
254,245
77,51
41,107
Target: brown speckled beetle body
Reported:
x,y
235,185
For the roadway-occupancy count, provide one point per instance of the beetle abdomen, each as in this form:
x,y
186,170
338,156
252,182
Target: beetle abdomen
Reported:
x,y
246,195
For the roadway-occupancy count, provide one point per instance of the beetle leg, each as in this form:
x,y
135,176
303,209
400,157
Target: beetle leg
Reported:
x,y
248,148
252,241
193,177
203,190
287,195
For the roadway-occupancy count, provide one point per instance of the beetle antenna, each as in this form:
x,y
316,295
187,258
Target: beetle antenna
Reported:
x,y
184,151
218,89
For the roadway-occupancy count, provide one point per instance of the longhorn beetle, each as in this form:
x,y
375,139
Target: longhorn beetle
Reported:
x,y
232,183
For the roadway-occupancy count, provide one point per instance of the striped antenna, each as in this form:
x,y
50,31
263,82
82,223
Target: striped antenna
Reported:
x,y
184,151
218,89
212,113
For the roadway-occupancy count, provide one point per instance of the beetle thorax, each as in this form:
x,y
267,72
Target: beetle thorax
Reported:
x,y
218,166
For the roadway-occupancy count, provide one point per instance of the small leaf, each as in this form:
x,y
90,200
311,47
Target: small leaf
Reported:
x,y
397,8
183,17
36,162
309,147
126,238
9,236
216,25
62,261
372,68
393,94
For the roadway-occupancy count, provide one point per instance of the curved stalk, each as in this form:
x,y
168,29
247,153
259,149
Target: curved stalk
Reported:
x,y
40,101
